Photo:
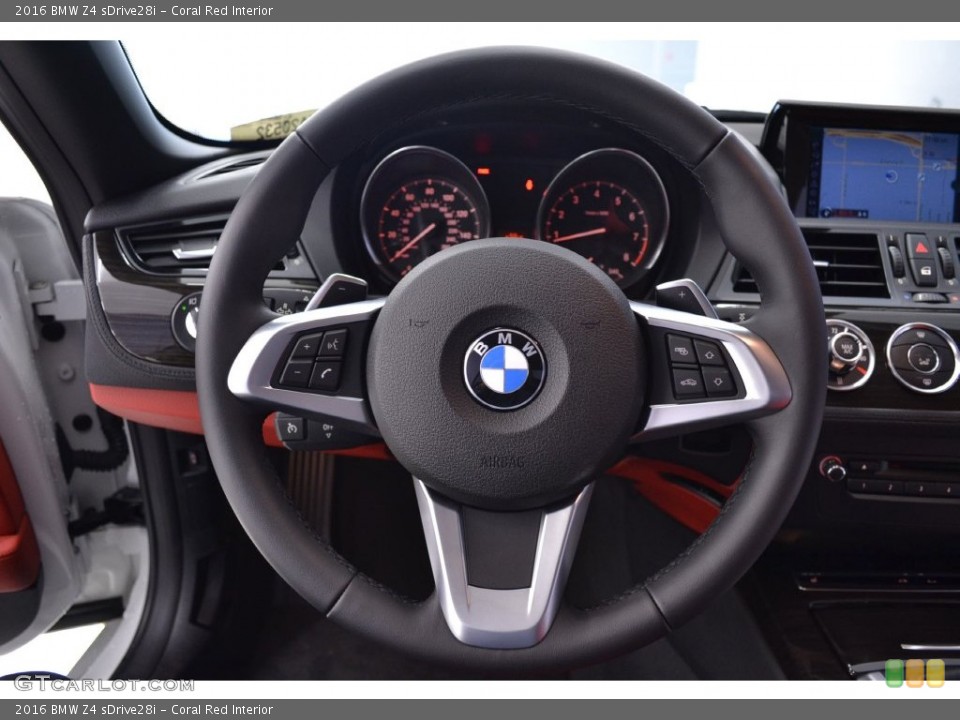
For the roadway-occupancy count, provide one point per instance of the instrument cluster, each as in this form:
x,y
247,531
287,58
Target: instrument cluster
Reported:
x,y
608,205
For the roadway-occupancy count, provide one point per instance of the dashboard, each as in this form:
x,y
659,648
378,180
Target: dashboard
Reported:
x,y
874,191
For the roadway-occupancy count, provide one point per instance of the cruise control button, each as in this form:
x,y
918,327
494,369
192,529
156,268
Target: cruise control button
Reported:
x,y
718,382
307,346
296,373
708,353
687,384
681,349
326,376
923,358
334,343
290,429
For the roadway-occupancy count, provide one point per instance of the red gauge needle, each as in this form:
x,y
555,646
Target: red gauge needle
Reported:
x,y
403,251
577,236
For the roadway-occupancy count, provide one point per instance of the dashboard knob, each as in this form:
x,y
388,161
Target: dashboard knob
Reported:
x,y
851,356
846,349
832,469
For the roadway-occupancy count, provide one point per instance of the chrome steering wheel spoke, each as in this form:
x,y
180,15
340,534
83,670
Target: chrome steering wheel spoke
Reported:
x,y
311,365
500,575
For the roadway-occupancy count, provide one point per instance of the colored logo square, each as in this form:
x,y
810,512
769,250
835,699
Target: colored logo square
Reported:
x,y
914,673
936,673
893,672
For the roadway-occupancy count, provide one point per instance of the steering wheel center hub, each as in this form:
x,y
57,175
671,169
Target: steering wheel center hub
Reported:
x,y
506,373
504,369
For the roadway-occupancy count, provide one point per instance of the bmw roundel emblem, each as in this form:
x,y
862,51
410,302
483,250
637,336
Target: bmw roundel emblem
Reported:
x,y
504,369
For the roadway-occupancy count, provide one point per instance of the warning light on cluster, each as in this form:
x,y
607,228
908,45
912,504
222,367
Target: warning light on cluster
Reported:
x,y
528,184
483,171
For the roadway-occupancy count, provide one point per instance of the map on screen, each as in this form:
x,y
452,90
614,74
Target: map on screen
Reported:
x,y
884,175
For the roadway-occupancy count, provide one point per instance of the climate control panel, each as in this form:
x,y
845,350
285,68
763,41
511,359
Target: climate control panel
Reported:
x,y
923,358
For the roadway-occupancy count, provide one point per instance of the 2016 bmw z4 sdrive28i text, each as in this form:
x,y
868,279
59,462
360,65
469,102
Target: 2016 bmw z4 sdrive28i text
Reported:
x,y
619,359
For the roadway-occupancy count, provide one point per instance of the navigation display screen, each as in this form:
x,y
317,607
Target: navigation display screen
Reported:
x,y
883,175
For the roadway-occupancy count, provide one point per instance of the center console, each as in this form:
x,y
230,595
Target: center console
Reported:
x,y
863,557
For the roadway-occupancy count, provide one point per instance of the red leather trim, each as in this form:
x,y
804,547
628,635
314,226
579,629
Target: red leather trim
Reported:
x,y
179,410
651,478
19,552
170,409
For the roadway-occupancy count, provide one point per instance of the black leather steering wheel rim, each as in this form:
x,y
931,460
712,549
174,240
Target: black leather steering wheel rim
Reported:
x,y
756,225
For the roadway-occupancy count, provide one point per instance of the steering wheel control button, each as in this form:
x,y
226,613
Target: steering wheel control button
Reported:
x,y
708,353
681,350
297,373
326,376
698,368
923,358
290,429
504,369
334,343
307,346
687,384
322,433
851,356
718,382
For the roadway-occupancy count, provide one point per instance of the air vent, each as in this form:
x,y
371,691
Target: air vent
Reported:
x,y
173,248
848,265
247,162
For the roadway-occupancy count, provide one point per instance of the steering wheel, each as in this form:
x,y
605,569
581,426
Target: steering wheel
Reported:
x,y
506,375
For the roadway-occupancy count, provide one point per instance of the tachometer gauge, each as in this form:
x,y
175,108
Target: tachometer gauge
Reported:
x,y
417,202
610,207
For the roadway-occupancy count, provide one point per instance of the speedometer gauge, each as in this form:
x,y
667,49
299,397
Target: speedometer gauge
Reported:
x,y
422,217
610,207
417,202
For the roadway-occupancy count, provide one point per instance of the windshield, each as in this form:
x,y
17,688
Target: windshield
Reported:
x,y
209,87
